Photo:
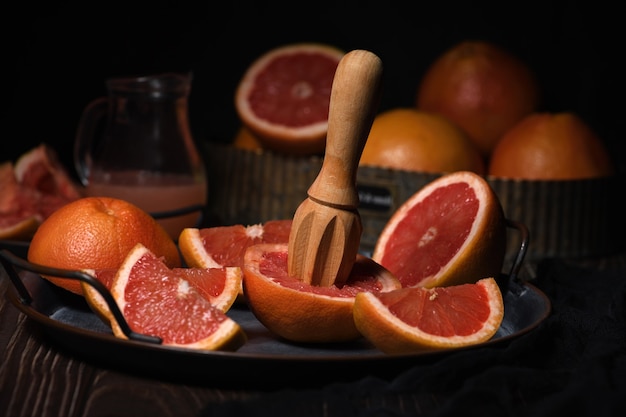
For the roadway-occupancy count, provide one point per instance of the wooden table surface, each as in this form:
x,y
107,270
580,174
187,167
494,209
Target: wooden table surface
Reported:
x,y
39,379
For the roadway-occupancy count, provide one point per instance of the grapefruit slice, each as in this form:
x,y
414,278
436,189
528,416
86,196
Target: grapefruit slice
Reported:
x,y
158,301
300,312
284,96
417,319
452,231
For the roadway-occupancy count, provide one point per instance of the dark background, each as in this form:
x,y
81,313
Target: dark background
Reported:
x,y
58,57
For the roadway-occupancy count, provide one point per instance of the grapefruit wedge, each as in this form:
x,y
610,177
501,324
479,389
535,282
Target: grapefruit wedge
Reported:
x,y
300,312
452,231
411,320
225,246
158,301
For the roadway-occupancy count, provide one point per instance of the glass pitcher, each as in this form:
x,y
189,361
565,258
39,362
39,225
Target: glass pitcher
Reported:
x,y
136,144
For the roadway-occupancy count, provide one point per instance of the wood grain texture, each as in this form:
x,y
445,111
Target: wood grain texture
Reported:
x,y
38,379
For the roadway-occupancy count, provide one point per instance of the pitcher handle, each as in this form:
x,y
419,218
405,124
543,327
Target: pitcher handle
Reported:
x,y
85,135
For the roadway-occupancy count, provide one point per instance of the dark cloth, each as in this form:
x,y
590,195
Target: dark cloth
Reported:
x,y
574,363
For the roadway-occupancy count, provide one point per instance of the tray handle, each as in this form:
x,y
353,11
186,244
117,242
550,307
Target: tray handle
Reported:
x,y
11,262
521,252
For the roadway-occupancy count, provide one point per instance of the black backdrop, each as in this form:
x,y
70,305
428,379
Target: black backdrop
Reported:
x,y
57,57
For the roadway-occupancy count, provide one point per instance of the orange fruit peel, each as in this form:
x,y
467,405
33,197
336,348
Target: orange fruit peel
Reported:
x,y
551,146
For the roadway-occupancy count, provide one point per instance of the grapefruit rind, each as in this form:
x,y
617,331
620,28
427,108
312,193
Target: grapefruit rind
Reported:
x,y
391,335
309,139
193,251
480,255
228,336
298,315
94,299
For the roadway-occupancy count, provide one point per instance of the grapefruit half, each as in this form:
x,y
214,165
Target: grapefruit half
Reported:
x,y
301,312
452,231
284,97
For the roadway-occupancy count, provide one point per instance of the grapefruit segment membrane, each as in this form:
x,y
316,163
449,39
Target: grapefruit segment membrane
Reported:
x,y
417,319
158,301
452,231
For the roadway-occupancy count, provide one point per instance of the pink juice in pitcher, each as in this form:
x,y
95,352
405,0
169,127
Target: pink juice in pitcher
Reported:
x,y
154,193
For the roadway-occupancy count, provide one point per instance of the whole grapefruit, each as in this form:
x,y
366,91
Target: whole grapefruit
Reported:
x,y
482,87
551,146
97,233
413,140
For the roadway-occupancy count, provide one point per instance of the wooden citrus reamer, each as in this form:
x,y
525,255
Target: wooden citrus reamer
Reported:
x,y
326,230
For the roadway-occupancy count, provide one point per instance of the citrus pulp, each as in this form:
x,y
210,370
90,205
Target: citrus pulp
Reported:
x,y
284,97
158,301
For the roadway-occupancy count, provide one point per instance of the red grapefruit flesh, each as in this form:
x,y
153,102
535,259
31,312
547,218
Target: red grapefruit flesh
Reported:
x,y
156,300
284,97
216,247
